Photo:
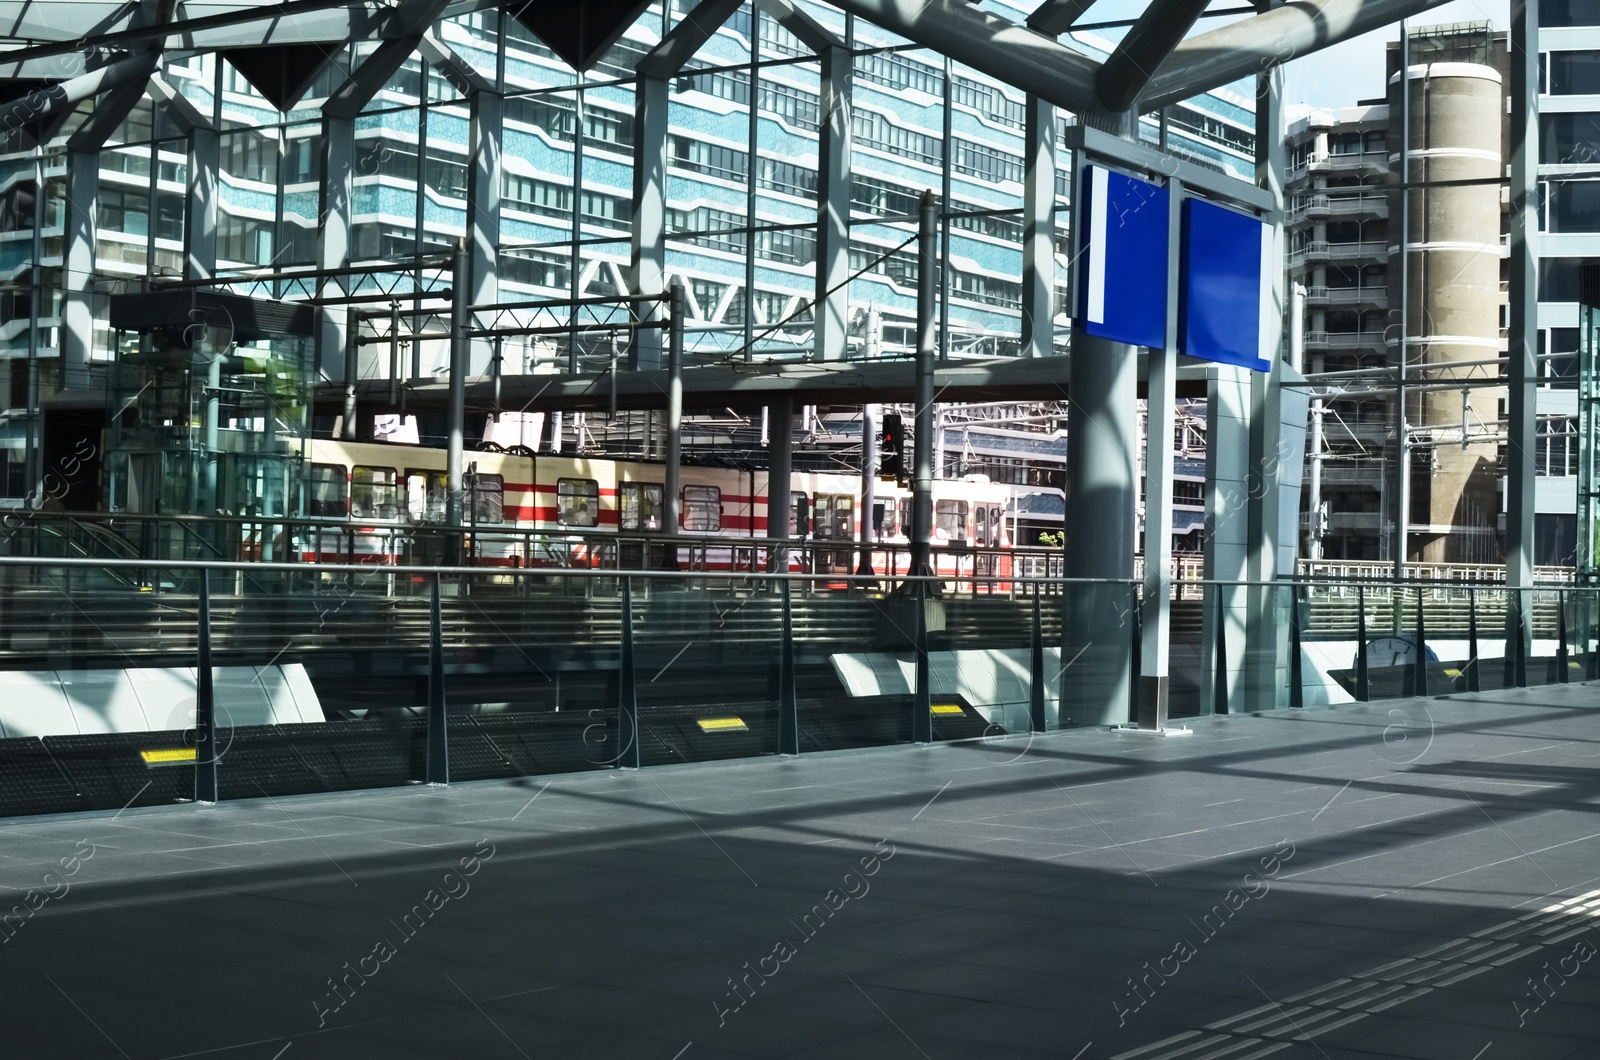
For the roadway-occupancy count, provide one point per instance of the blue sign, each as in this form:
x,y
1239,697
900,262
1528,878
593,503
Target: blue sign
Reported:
x,y
1221,283
1122,255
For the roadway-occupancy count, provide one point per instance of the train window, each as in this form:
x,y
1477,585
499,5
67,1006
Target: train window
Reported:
x,y
578,501
702,508
980,525
374,492
997,517
326,497
905,516
427,495
796,499
488,499
639,504
950,520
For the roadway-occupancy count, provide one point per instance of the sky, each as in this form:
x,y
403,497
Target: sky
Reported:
x,y
1341,75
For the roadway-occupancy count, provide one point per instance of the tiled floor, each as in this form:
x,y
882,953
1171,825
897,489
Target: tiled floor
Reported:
x,y
1396,880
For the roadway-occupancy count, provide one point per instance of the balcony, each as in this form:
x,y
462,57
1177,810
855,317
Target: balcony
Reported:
x,y
1321,251
1344,340
1309,207
1373,162
1345,296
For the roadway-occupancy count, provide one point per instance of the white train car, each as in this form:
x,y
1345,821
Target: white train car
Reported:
x,y
531,509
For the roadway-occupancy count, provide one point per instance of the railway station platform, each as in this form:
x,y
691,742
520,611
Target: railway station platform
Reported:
x,y
1412,878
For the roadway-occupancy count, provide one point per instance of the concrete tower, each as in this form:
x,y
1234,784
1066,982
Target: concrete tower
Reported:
x,y
1453,304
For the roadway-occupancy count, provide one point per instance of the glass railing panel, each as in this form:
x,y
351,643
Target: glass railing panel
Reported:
x,y
531,670
707,654
855,660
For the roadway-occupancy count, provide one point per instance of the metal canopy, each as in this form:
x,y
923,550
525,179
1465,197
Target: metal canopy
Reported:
x,y
580,31
282,73
752,385
1151,68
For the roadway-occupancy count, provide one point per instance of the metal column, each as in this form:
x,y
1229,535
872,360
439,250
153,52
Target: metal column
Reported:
x,y
869,483
205,702
649,215
438,729
1523,334
832,311
459,345
672,442
334,227
1161,391
922,441
780,461
483,204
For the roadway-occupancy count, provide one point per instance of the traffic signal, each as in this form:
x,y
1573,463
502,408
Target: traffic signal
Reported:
x,y
893,463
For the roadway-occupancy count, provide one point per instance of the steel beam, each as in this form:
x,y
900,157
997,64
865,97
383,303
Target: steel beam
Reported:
x,y
1253,45
806,29
1128,69
684,41
44,102
832,308
1010,53
1055,17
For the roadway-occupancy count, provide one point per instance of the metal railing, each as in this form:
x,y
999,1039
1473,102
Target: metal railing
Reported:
x,y
434,673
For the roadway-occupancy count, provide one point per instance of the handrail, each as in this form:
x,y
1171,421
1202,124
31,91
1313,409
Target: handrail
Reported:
x,y
746,576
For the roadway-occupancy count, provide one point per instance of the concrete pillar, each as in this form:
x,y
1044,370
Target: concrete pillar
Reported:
x,y
1227,533
1039,231
1102,488
832,312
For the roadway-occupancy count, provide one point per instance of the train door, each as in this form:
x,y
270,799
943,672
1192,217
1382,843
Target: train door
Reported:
x,y
639,507
426,493
833,520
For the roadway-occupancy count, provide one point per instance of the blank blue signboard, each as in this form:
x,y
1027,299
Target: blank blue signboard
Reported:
x,y
1219,301
1122,250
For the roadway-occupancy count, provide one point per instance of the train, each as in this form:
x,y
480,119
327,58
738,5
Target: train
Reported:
x,y
526,509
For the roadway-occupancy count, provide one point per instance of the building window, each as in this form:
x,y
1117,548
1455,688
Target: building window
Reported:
x,y
1569,13
578,502
1569,139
